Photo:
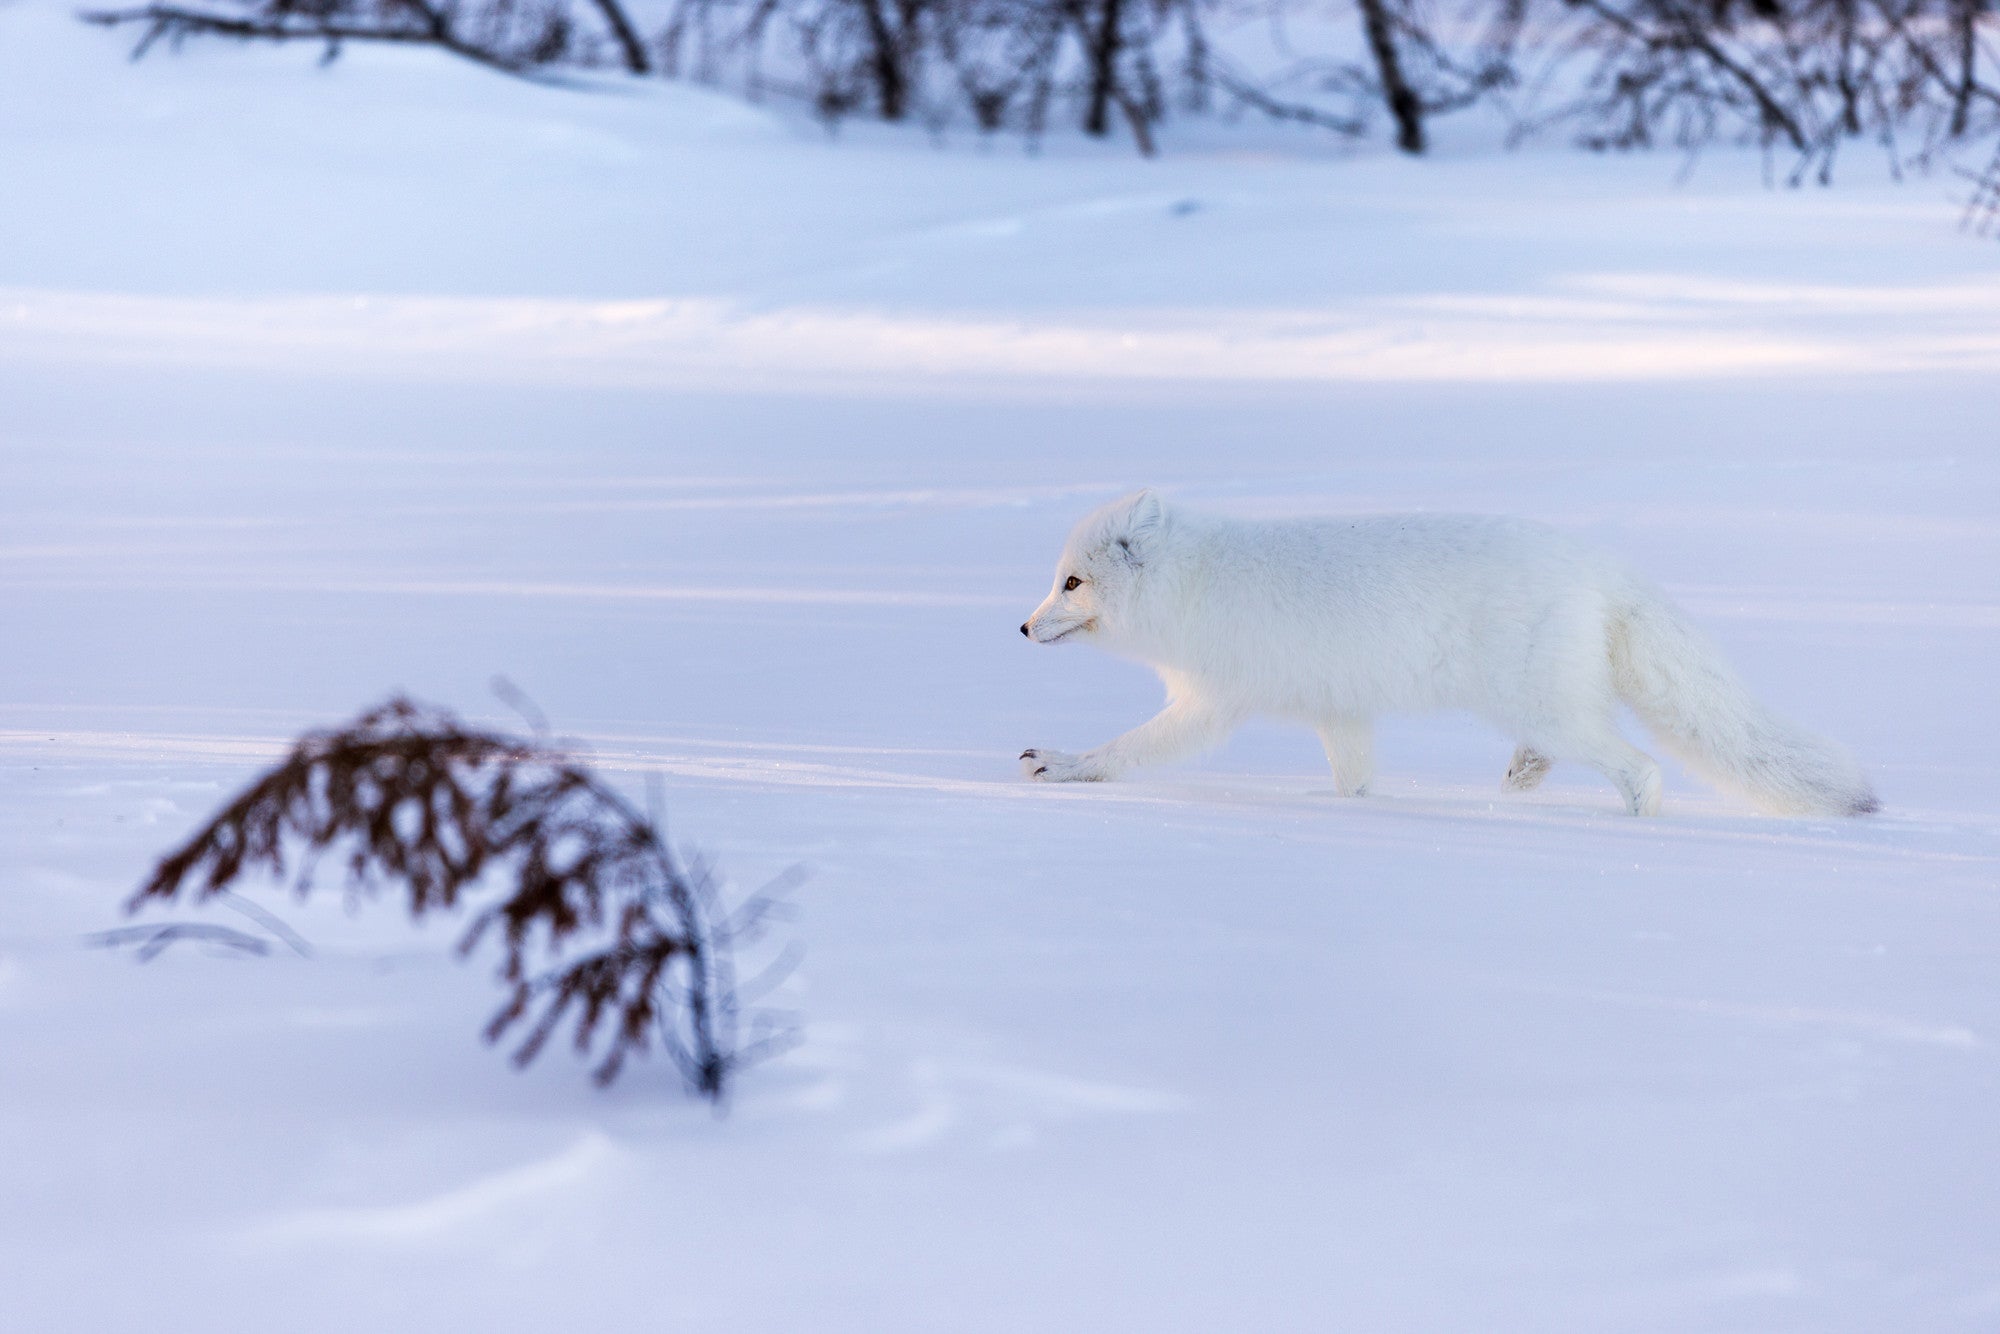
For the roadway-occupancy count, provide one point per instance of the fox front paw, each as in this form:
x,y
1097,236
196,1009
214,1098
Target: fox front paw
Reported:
x,y
1055,766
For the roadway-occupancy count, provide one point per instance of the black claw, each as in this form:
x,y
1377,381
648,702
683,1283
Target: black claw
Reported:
x,y
1027,754
1039,772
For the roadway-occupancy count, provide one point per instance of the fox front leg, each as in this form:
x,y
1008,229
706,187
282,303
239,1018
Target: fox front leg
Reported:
x,y
1177,731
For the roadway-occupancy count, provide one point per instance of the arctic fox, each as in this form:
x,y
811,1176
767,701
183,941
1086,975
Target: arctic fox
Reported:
x,y
1330,622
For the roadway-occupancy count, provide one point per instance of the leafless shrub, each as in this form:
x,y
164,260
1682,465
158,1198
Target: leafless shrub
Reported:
x,y
1802,77
448,814
1402,65
1006,63
508,35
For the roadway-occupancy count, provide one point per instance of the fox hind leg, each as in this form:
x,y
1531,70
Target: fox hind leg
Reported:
x,y
1350,749
1567,709
1526,770
1629,768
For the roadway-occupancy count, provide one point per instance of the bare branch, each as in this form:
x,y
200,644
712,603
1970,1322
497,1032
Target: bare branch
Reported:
x,y
444,813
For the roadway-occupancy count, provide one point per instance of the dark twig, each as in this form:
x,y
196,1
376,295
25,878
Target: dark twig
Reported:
x,y
1982,211
153,939
269,920
630,48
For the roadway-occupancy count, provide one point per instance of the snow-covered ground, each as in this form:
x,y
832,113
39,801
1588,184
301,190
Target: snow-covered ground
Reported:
x,y
744,451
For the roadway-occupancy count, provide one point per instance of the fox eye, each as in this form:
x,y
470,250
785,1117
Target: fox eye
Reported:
x,y
1071,584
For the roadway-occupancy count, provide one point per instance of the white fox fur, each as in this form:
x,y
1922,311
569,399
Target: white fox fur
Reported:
x,y
1331,622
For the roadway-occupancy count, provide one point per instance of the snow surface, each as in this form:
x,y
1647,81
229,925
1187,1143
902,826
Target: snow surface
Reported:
x,y
743,450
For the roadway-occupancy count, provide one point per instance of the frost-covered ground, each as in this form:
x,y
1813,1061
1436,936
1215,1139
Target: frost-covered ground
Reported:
x,y
743,452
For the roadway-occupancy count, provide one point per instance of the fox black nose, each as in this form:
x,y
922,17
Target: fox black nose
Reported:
x,y
1024,631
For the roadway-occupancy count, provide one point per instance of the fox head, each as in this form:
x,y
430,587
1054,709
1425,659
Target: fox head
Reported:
x,y
1100,571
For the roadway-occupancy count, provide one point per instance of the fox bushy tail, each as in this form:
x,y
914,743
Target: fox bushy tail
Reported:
x,y
1681,687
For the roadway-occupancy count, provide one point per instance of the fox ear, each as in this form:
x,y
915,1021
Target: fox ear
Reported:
x,y
1136,525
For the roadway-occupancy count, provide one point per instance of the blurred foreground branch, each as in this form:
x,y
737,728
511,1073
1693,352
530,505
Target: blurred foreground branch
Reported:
x,y
423,805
